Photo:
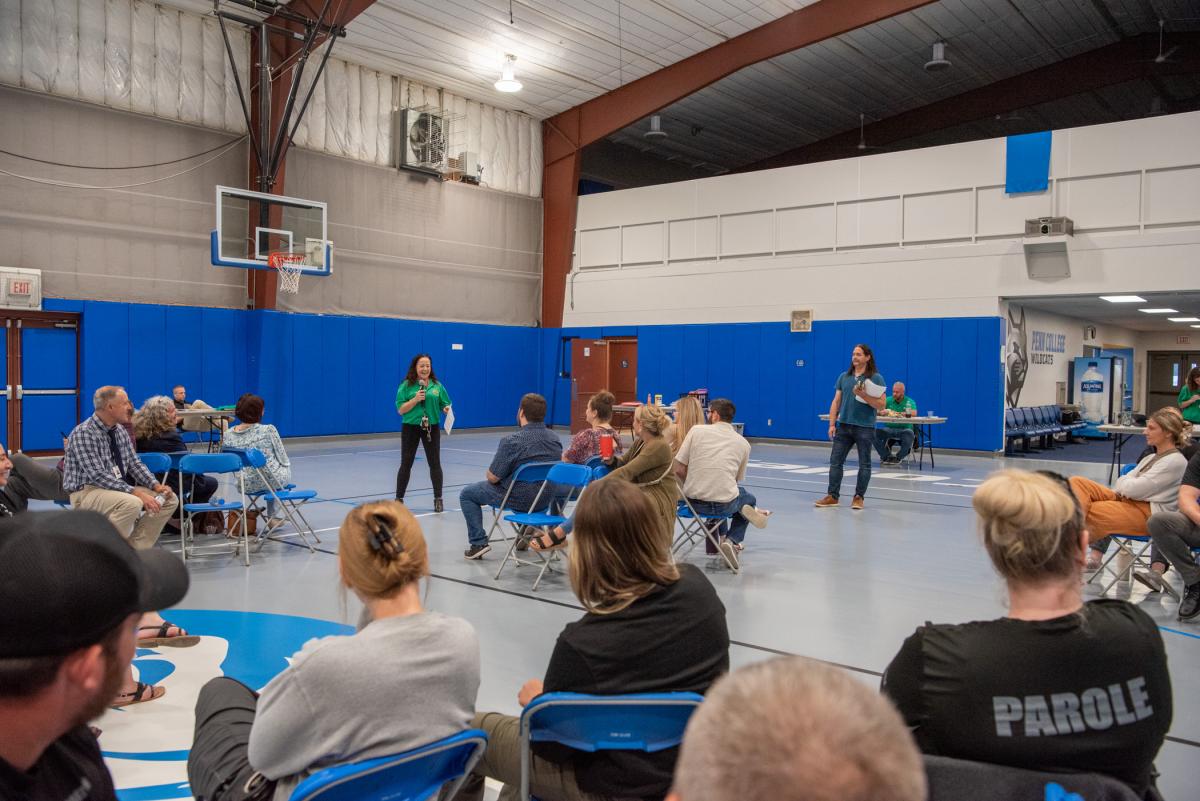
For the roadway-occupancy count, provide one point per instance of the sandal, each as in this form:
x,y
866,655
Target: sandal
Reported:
x,y
556,541
162,638
138,696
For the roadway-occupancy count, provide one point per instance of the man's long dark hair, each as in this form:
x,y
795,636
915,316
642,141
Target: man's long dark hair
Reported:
x,y
411,377
870,354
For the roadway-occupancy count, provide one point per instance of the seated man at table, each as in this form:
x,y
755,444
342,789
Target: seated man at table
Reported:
x,y
711,461
532,443
197,423
898,405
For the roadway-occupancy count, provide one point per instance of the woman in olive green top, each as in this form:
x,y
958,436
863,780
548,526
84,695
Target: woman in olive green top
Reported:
x,y
649,465
421,401
1189,397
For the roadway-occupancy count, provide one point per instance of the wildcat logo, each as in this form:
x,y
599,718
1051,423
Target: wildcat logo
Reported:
x,y
146,745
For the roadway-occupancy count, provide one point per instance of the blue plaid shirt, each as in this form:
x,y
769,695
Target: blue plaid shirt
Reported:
x,y
90,462
533,442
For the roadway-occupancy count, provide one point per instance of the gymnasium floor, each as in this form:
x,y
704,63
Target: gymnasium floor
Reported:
x,y
830,584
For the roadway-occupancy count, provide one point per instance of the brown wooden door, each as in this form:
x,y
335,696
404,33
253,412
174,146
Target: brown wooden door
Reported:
x,y
589,375
622,370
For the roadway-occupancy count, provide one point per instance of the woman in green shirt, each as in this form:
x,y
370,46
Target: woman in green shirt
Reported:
x,y
1189,397
421,401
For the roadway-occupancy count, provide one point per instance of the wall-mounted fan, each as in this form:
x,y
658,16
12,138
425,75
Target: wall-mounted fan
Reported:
x,y
422,140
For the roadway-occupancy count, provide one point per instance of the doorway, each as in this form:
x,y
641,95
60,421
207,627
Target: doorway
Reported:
x,y
40,396
1165,376
598,364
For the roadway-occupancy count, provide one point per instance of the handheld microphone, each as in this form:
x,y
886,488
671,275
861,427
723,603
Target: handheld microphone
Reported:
x,y
424,383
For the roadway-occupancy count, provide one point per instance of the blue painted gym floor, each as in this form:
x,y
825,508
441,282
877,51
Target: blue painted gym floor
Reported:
x,y
840,586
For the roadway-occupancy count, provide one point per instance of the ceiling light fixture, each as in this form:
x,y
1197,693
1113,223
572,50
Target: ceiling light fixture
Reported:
x,y
939,61
508,81
1123,298
1184,319
655,128
1159,311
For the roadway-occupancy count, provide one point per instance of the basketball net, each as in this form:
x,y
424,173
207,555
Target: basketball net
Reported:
x,y
288,266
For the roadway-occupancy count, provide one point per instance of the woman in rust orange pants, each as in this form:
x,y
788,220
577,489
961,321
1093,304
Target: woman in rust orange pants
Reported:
x,y
1152,486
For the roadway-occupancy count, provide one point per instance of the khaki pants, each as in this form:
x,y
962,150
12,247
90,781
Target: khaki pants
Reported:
x,y
549,781
122,510
1104,514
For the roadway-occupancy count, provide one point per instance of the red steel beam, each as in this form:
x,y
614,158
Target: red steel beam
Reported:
x,y
565,134
1128,60
261,285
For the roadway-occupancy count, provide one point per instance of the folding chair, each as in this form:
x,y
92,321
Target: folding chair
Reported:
x,y
157,463
287,498
215,463
697,527
563,474
414,775
1137,558
530,473
956,779
647,722
594,462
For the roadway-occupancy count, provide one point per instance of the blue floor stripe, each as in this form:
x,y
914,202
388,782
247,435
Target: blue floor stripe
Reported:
x,y
1181,633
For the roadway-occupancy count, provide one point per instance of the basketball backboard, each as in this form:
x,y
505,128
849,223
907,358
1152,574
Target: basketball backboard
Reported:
x,y
252,225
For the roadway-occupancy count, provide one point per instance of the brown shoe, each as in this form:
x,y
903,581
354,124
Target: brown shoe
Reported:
x,y
828,500
857,503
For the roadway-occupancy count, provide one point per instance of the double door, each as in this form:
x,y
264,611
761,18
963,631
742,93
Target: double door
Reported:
x,y
598,364
39,400
1165,376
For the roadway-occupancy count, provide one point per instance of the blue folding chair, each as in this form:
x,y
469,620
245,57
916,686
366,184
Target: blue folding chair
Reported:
x,y
288,498
216,464
157,463
414,775
561,475
528,473
594,462
647,722
696,527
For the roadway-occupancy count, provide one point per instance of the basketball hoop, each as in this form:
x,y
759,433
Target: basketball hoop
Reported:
x,y
288,266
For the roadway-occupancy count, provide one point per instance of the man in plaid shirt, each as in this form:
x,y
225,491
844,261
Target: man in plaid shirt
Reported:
x,y
103,473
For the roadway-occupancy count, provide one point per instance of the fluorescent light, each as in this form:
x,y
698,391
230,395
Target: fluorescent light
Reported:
x,y
1159,311
1196,326
1123,298
1184,319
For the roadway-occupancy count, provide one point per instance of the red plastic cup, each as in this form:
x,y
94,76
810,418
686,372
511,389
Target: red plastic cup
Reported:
x,y
606,446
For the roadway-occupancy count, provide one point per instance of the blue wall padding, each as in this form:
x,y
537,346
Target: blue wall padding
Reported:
x,y
324,374
1027,163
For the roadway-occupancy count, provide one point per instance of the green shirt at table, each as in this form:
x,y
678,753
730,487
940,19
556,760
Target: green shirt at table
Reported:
x,y
906,405
1192,412
436,399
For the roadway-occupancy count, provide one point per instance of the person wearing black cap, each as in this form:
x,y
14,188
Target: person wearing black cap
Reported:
x,y
71,595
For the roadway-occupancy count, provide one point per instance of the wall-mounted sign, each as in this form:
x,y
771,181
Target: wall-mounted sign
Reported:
x,y
1183,339
1045,345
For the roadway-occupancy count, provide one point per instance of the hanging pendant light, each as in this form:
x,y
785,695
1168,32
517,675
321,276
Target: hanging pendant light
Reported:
x,y
508,81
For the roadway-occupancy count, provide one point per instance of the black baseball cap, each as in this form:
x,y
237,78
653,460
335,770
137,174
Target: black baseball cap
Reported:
x,y
68,578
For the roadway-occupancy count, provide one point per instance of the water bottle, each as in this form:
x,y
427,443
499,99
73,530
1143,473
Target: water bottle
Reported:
x,y
160,499
1091,388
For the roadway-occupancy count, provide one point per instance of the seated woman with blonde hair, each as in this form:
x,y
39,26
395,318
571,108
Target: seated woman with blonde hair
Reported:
x,y
407,677
1056,685
650,626
688,414
648,464
1152,486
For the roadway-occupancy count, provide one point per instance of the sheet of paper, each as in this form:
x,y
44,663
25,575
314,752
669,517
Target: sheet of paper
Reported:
x,y
872,389
448,423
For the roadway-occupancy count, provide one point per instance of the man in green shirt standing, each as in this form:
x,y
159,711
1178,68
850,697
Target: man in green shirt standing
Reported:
x,y
898,405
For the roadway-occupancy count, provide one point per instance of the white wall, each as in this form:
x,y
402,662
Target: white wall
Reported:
x,y
925,233
1047,365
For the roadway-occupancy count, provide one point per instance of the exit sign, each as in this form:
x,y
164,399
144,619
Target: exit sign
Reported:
x,y
1183,339
21,286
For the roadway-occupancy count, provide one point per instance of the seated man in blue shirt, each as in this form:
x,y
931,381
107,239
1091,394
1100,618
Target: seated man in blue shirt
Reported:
x,y
532,443
898,405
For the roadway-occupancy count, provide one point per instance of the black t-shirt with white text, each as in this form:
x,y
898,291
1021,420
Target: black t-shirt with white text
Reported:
x,y
1088,692
1191,476
71,769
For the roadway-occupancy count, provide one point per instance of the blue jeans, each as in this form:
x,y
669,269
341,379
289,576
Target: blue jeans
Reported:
x,y
472,499
732,509
846,437
904,436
